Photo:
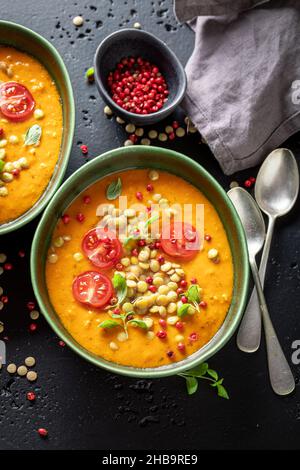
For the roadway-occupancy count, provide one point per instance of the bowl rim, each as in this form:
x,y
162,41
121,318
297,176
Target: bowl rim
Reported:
x,y
27,216
168,108
158,372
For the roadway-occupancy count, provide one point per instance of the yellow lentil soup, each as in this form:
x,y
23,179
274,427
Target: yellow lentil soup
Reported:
x,y
142,300
30,131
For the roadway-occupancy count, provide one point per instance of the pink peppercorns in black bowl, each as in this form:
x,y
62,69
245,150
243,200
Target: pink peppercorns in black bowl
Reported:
x,y
138,76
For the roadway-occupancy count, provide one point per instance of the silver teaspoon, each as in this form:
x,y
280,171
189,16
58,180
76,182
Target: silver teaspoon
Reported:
x,y
276,191
281,377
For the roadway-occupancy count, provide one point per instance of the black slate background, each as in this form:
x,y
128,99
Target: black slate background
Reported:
x,y
87,408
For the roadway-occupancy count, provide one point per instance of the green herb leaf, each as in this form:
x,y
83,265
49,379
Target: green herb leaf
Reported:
x,y
151,220
191,385
119,283
213,374
109,324
194,294
1,165
222,392
33,135
198,371
89,74
183,310
139,323
114,189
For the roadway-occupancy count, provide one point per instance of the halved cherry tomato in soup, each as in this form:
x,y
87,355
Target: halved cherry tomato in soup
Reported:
x,y
92,288
16,101
180,240
102,247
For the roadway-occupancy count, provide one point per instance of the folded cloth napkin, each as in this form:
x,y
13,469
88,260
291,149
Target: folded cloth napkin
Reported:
x,y
243,76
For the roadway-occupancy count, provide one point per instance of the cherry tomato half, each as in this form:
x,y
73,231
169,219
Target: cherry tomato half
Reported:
x,y
102,247
16,101
180,240
92,288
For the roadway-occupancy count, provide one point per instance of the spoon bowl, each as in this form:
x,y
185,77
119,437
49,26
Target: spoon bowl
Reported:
x,y
277,183
251,219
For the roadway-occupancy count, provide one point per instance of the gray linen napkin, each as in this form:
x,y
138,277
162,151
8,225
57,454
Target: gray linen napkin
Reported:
x,y
242,76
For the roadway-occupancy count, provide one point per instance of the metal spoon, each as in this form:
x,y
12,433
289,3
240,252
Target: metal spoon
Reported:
x,y
276,191
281,377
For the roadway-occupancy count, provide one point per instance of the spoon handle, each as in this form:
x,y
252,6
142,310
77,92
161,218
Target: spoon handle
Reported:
x,y
248,338
281,377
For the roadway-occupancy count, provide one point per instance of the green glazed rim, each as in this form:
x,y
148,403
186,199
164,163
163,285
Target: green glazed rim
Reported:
x,y
120,160
35,45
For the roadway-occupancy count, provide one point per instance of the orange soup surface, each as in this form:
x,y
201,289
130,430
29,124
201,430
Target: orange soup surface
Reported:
x,y
30,131
144,300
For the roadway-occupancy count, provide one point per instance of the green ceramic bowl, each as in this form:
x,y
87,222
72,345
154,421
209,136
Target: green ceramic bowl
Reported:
x,y
143,157
12,34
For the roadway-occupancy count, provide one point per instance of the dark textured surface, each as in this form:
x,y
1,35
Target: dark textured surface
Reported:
x,y
83,407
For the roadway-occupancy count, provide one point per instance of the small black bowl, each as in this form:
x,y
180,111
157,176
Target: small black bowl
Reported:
x,y
134,42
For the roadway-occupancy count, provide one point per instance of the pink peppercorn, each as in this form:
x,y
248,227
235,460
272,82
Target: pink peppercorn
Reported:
x,y
183,283
175,124
16,172
247,184
133,138
117,311
1,131
207,238
32,327
149,187
193,280
252,179
141,243
139,196
162,323
193,337
172,136
179,291
43,432
184,299
66,219
84,149
203,304
61,344
30,396
21,253
86,200
161,334
179,325
4,299
30,305
181,347
149,280
153,289
80,217
170,354
134,252
161,259
8,266
157,245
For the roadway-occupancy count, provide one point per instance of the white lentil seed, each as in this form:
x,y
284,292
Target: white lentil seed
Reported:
x,y
139,131
180,132
30,361
148,321
130,128
125,262
166,267
34,314
127,143
145,141
150,335
53,258
107,111
152,134
169,129
31,376
162,137
233,184
11,368
78,21
3,258
172,320
13,139
120,120
212,253
3,143
154,265
58,242
38,114
1,327
179,338
175,278
22,371
122,337
153,175
142,286
137,25
156,197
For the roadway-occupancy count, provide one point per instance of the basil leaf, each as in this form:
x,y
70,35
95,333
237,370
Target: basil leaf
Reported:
x,y
1,165
222,392
119,283
194,294
199,371
114,189
213,374
184,310
89,74
139,323
151,220
33,135
109,324
191,385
